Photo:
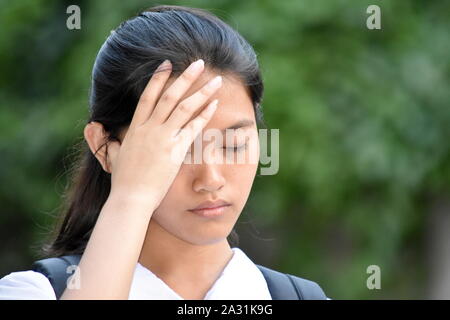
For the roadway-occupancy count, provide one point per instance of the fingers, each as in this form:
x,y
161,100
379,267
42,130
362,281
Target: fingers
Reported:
x,y
186,108
173,94
196,125
151,93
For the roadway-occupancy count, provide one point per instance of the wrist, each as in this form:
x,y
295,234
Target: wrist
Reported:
x,y
131,202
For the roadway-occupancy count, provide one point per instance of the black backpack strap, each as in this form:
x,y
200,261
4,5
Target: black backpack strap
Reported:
x,y
55,269
283,286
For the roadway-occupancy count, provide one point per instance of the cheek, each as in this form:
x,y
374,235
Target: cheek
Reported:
x,y
240,178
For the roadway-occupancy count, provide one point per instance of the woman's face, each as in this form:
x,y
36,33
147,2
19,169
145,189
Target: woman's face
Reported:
x,y
211,180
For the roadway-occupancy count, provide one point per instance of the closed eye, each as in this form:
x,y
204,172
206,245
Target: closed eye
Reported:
x,y
236,148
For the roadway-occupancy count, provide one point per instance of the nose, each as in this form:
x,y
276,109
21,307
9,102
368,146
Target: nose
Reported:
x,y
208,178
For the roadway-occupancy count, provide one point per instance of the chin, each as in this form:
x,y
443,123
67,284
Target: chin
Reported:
x,y
191,231
206,238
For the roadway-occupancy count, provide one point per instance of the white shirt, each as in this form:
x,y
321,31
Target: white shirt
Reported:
x,y
240,280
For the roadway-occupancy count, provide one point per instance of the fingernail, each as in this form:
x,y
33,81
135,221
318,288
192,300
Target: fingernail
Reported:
x,y
214,83
196,66
211,107
166,63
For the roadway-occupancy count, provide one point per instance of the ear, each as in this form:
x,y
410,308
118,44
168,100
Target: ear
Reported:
x,y
96,137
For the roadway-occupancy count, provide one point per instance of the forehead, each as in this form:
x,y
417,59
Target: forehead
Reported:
x,y
234,104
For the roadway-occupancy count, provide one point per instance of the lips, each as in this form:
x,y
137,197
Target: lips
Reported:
x,y
211,205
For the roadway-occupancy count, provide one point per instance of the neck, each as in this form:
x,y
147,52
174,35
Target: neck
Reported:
x,y
176,261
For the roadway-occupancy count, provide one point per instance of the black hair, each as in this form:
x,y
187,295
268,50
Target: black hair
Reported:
x,y
122,68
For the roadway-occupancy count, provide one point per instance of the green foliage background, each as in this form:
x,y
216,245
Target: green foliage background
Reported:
x,y
364,123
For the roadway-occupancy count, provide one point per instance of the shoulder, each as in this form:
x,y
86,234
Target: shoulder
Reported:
x,y
26,285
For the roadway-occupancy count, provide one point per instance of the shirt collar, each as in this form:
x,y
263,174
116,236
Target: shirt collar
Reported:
x,y
240,280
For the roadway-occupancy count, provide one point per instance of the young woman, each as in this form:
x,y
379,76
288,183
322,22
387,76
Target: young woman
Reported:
x,y
147,224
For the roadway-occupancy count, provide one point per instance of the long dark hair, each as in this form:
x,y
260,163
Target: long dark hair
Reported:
x,y
122,68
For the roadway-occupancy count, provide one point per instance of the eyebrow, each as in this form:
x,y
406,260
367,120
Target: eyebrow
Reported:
x,y
241,124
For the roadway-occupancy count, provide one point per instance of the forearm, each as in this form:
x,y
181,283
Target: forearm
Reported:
x,y
109,260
